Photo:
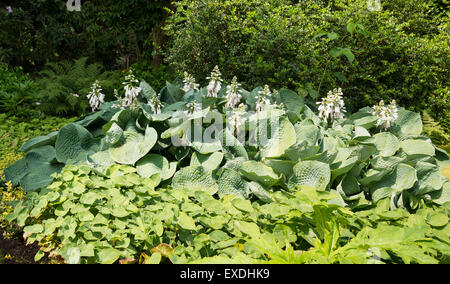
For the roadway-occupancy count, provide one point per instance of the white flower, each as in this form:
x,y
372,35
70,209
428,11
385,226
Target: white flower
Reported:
x,y
233,93
332,107
385,114
263,98
236,120
131,89
95,96
189,83
266,92
155,104
193,107
215,83
75,95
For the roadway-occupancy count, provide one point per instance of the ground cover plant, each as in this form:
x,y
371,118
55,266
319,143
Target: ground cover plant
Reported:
x,y
219,174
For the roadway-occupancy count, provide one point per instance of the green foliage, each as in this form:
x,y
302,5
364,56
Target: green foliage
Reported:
x,y
112,32
400,52
436,132
64,86
127,181
90,218
16,89
351,156
157,77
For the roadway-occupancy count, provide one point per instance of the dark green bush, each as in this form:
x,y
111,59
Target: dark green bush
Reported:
x,y
16,92
113,32
400,52
156,77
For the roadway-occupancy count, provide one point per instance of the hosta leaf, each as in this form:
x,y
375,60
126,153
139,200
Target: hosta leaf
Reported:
x,y
40,177
40,155
402,178
344,167
49,139
283,137
154,164
407,123
194,178
232,183
16,171
147,90
386,143
429,178
281,167
209,161
259,191
312,173
308,133
417,147
292,101
133,145
186,222
257,171
73,140
231,146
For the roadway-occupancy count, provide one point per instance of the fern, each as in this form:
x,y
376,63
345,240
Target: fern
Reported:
x,y
61,80
435,131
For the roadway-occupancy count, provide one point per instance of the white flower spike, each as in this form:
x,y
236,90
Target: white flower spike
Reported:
x,y
95,96
131,89
385,114
263,98
332,107
233,93
189,83
215,83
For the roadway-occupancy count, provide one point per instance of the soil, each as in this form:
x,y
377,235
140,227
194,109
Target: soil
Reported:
x,y
16,251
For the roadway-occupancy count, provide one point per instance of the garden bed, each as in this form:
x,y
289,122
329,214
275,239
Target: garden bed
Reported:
x,y
16,251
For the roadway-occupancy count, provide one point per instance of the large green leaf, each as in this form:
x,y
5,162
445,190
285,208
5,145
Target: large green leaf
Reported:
x,y
312,173
386,143
39,177
16,171
209,161
292,101
257,171
195,178
73,141
231,146
402,178
281,137
232,183
133,145
154,164
39,141
429,178
417,147
407,123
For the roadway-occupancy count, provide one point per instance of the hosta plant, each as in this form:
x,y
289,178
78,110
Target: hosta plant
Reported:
x,y
189,144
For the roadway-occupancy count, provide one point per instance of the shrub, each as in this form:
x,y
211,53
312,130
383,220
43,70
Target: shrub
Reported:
x,y
400,52
112,32
16,92
157,77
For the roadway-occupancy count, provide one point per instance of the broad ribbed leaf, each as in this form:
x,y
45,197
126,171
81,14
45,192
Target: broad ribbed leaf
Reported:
x,y
73,140
133,145
312,173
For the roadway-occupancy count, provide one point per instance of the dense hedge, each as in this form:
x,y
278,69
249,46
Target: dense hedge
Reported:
x,y
112,32
400,52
